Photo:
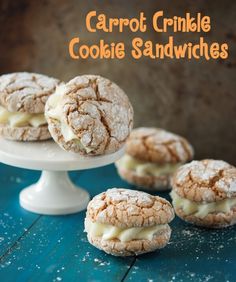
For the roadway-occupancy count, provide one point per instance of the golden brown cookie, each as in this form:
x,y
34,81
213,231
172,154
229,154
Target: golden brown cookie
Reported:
x,y
22,100
89,115
152,155
125,222
204,193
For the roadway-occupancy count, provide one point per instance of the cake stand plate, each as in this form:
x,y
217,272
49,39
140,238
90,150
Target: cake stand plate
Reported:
x,y
54,193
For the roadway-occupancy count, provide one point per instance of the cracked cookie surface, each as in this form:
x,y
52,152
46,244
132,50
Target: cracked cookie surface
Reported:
x,y
96,111
26,92
125,222
129,208
152,155
205,181
158,146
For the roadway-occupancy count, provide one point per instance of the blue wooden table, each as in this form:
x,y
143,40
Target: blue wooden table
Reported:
x,y
54,248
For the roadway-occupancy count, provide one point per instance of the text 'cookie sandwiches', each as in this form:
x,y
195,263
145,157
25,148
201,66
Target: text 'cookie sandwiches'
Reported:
x,y
89,115
125,222
204,193
22,100
152,155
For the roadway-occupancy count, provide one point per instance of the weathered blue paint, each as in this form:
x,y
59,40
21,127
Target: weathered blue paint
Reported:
x,y
55,248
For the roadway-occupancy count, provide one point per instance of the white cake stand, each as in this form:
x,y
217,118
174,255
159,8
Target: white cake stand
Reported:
x,y
54,193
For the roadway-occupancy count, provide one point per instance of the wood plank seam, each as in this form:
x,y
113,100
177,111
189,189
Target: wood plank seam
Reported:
x,y
14,245
129,269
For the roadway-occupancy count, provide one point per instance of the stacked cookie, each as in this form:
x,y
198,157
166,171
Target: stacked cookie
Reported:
x,y
89,115
22,100
204,193
125,222
152,156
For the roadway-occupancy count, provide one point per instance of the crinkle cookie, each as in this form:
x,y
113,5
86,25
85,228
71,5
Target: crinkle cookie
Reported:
x,y
204,193
152,155
22,100
89,115
125,222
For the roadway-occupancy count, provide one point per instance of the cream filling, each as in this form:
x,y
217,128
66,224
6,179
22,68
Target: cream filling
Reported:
x,y
109,232
55,102
20,119
201,210
142,168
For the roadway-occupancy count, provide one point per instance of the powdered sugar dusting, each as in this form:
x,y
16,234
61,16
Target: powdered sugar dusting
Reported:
x,y
159,146
232,187
206,180
26,92
97,111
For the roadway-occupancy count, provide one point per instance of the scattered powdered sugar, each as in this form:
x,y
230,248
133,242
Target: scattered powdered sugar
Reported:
x,y
15,179
100,106
131,196
198,246
164,136
227,185
181,152
202,170
217,165
188,243
169,147
187,233
183,173
206,180
191,276
101,262
86,257
26,91
207,194
232,187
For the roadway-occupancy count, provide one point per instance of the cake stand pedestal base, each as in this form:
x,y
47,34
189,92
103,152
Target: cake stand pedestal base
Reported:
x,y
54,194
